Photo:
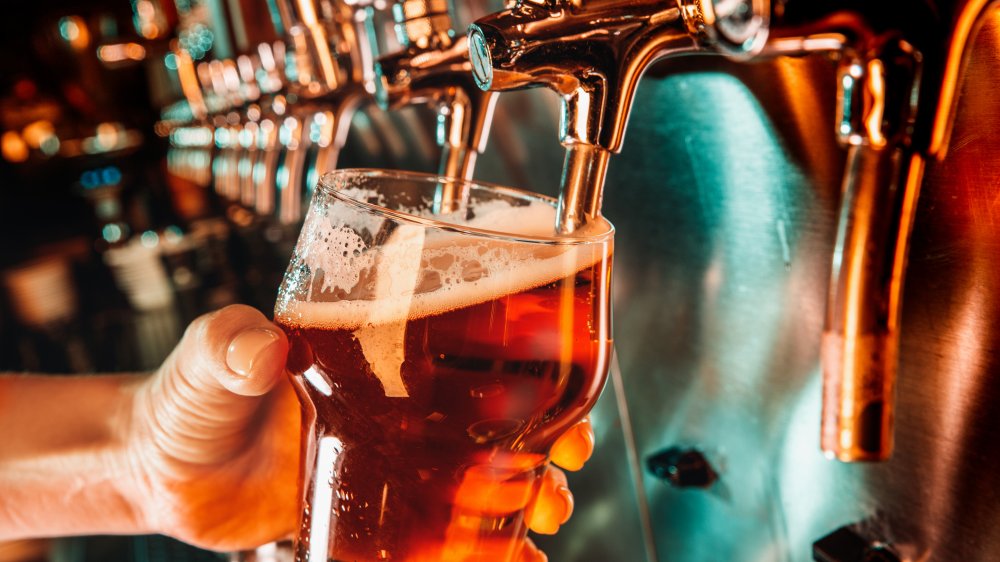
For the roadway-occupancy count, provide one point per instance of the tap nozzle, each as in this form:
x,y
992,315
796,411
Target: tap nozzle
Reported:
x,y
329,54
434,68
593,54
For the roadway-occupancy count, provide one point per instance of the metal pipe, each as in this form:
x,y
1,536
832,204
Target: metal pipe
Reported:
x,y
584,171
861,332
434,68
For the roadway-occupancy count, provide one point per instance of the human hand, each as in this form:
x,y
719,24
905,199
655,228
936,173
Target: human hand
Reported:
x,y
497,489
215,441
215,435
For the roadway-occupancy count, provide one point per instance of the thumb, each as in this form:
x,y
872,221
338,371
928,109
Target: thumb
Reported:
x,y
236,349
202,402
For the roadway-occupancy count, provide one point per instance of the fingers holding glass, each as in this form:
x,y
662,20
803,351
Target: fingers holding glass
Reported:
x,y
574,448
215,432
553,505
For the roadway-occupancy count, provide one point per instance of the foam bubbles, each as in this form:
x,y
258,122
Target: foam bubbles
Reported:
x,y
517,277
413,271
341,255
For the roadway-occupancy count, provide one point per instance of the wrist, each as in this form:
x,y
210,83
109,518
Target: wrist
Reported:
x,y
123,457
66,468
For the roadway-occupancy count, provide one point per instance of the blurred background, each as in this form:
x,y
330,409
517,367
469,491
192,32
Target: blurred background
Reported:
x,y
105,256
115,227
113,238
156,156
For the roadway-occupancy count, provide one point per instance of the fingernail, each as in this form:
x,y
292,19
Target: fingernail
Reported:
x,y
247,347
585,435
568,502
572,450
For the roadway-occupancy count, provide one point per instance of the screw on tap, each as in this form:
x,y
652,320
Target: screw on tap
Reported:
x,y
479,56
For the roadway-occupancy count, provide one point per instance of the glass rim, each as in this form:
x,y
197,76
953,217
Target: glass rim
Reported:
x,y
327,187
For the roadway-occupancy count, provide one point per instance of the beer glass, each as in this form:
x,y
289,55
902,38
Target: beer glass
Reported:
x,y
438,348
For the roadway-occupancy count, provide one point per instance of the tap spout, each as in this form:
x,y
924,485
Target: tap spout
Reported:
x,y
434,68
582,182
593,54
441,76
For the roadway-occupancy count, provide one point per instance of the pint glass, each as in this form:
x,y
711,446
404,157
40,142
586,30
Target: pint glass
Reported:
x,y
438,355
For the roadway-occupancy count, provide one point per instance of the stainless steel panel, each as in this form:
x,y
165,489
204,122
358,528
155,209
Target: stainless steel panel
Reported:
x,y
726,237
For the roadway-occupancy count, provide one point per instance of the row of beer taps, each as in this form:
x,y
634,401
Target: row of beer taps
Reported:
x,y
897,67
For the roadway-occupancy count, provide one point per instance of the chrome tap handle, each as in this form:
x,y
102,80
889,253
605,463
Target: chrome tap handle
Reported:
x,y
594,69
323,38
434,68
593,54
876,111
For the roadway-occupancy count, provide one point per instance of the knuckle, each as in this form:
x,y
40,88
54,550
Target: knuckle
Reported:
x,y
198,325
557,475
239,309
233,314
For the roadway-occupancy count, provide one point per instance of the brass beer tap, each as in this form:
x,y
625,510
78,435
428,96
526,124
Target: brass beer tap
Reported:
x,y
331,79
593,54
434,68
860,344
897,80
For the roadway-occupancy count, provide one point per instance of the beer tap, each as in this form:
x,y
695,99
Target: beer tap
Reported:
x,y
593,55
897,80
273,107
191,86
878,87
332,77
861,331
434,68
220,103
332,56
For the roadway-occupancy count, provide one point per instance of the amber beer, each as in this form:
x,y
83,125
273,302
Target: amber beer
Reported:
x,y
439,463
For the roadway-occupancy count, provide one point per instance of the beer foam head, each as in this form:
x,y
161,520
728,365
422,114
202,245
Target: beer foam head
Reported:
x,y
341,278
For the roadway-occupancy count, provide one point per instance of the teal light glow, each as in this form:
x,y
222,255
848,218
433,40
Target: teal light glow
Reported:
x,y
68,29
149,239
111,233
